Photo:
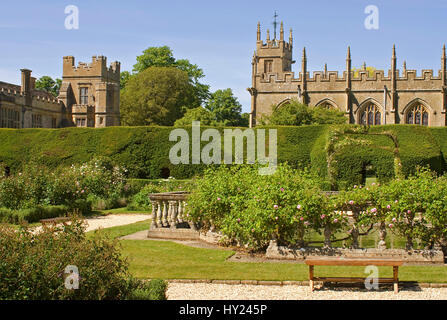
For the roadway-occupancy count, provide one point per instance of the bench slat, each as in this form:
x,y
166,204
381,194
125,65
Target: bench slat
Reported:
x,y
352,262
351,279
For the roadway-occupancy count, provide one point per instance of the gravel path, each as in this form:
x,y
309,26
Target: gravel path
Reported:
x,y
210,291
114,220
111,220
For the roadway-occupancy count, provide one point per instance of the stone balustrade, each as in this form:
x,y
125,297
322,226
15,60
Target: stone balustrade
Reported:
x,y
168,210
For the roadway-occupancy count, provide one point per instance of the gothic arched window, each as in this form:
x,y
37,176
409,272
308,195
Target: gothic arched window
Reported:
x,y
371,115
417,114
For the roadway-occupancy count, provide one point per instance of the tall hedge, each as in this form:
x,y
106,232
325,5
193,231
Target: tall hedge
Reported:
x,y
144,151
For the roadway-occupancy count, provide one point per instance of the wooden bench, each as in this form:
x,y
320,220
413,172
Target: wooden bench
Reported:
x,y
54,221
336,261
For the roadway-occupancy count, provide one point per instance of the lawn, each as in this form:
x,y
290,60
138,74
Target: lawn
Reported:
x,y
151,259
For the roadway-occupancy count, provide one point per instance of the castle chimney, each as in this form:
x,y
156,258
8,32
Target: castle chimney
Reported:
x,y
26,81
268,35
32,83
258,35
290,37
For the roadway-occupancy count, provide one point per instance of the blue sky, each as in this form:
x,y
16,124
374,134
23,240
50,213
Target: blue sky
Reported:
x,y
219,36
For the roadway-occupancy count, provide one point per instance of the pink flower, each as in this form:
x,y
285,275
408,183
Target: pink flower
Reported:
x,y
301,218
388,207
395,201
238,220
252,230
409,211
282,189
276,218
275,206
355,186
298,207
373,210
394,219
306,223
323,216
335,220
351,202
218,199
390,225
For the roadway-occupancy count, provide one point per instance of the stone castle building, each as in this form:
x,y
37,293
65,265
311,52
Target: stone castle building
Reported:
x,y
89,97
401,96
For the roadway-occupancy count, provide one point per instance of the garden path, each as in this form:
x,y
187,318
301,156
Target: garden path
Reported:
x,y
111,220
210,291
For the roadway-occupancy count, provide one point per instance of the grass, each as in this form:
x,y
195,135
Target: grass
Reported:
x,y
123,210
169,260
120,231
151,259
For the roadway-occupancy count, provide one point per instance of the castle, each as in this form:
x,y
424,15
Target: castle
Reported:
x,y
398,97
89,97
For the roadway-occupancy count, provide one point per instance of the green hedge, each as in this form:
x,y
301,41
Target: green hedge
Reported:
x,y
144,151
42,212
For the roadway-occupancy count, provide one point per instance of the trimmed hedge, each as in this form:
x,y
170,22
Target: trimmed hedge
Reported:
x,y
42,212
144,151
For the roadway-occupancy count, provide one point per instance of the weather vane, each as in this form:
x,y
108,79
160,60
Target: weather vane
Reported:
x,y
275,23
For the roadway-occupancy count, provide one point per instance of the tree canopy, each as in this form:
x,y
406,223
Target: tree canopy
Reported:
x,y
46,83
221,109
163,57
156,96
298,114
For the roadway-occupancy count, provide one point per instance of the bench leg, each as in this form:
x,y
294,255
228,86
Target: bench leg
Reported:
x,y
396,278
311,278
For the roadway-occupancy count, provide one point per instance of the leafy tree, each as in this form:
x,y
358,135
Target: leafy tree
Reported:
x,y
163,57
124,78
221,109
298,114
323,115
225,107
370,71
197,114
46,83
291,114
156,96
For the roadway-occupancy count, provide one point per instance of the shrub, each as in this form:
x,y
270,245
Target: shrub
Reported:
x,y
252,209
40,186
152,290
33,265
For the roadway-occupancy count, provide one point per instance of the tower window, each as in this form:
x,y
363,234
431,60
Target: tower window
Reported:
x,y
268,66
84,95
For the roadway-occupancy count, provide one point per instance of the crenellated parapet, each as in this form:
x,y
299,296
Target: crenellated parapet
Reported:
x,y
98,67
388,96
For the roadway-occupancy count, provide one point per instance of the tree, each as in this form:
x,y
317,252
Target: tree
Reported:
x,y
369,70
46,83
201,114
221,109
295,113
124,77
163,57
156,96
225,107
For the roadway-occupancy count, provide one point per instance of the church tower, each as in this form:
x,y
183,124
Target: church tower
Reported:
x,y
272,57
